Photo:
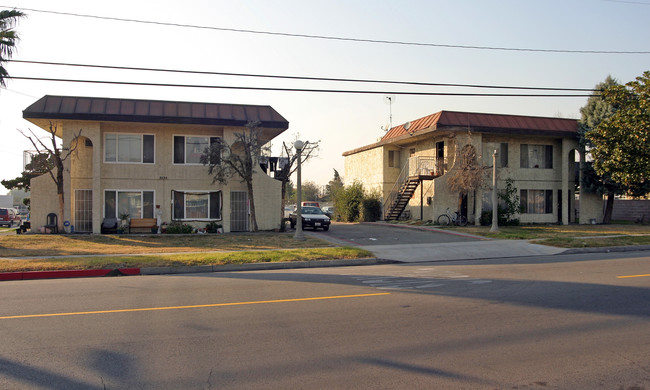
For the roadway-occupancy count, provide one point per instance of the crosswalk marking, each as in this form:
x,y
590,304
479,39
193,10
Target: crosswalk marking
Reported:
x,y
421,278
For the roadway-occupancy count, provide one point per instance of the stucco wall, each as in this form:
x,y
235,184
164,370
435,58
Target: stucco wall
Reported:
x,y
366,167
437,197
86,169
43,200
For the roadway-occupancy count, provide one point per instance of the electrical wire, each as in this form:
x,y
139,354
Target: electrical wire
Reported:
x,y
333,38
412,93
303,77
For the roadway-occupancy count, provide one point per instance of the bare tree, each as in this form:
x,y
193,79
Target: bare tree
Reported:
x,y
470,175
57,155
309,151
237,159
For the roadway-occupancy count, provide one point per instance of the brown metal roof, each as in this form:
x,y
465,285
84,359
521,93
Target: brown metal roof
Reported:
x,y
499,123
477,122
153,111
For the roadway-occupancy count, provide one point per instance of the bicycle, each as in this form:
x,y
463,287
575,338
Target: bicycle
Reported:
x,y
448,218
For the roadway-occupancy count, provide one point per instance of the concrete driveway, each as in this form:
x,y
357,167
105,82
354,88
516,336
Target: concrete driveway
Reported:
x,y
421,244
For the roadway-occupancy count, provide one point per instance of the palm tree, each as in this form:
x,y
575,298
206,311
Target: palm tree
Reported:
x,y
8,38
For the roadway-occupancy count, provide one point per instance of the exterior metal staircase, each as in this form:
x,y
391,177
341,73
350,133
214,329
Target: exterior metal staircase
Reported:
x,y
406,191
416,170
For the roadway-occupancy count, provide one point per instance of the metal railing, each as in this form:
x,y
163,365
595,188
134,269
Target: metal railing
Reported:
x,y
415,166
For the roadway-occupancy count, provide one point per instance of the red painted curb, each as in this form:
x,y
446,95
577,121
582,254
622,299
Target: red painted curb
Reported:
x,y
30,275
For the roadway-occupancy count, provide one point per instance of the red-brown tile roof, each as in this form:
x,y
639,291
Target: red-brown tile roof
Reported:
x,y
517,124
153,111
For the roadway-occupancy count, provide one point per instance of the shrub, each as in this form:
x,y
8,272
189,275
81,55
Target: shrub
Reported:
x,y
179,228
486,219
347,202
212,227
371,208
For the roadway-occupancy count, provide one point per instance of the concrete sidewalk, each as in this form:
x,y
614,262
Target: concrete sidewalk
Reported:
x,y
461,251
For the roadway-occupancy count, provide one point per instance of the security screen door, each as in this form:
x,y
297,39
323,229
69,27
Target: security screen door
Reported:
x,y
83,211
238,211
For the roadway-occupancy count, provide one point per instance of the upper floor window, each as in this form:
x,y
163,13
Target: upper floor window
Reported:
x,y
536,156
393,158
129,148
189,149
502,153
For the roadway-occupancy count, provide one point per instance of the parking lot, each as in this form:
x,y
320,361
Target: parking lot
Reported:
x,y
383,234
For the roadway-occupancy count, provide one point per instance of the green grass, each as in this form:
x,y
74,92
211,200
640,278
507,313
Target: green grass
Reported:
x,y
595,242
186,259
566,236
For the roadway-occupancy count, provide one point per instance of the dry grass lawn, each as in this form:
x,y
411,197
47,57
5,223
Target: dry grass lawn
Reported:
x,y
37,245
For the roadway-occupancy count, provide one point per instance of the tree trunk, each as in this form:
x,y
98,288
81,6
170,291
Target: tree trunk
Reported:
x,y
283,203
251,200
609,208
60,192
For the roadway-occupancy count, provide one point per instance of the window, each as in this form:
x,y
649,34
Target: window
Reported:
x,y
197,205
536,156
536,201
129,148
411,152
393,158
502,154
138,204
189,149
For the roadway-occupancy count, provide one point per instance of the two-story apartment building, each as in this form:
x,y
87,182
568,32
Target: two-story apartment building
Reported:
x,y
142,158
411,165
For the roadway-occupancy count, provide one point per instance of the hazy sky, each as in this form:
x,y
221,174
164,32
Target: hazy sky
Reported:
x,y
341,121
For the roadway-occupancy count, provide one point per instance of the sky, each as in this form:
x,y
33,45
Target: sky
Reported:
x,y
340,121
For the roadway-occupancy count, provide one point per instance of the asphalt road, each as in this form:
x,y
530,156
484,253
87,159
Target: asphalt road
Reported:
x,y
561,322
376,234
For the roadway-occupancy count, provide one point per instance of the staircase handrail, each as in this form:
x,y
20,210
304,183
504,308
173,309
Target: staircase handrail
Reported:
x,y
392,195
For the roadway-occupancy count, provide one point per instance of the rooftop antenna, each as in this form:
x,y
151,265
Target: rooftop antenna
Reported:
x,y
389,99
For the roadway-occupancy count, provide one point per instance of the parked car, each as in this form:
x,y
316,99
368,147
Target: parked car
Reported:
x,y
329,211
310,204
9,217
311,217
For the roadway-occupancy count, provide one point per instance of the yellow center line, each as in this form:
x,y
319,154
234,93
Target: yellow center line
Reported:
x,y
632,276
189,306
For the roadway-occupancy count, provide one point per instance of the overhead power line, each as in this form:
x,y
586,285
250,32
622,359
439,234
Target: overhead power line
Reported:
x,y
333,38
428,84
413,93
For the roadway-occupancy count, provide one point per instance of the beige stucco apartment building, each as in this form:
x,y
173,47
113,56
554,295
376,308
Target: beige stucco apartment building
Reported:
x,y
410,166
142,157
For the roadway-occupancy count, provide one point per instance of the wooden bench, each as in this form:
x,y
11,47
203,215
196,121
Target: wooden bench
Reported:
x,y
143,223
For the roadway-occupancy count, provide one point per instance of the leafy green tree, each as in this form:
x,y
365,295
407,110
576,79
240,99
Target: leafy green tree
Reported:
x,y
592,114
8,39
40,164
333,186
310,191
621,142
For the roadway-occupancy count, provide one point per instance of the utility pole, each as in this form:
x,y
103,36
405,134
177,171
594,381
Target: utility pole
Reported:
x,y
495,206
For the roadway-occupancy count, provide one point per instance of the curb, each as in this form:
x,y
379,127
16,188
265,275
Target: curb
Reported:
x,y
62,274
607,249
30,275
262,266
